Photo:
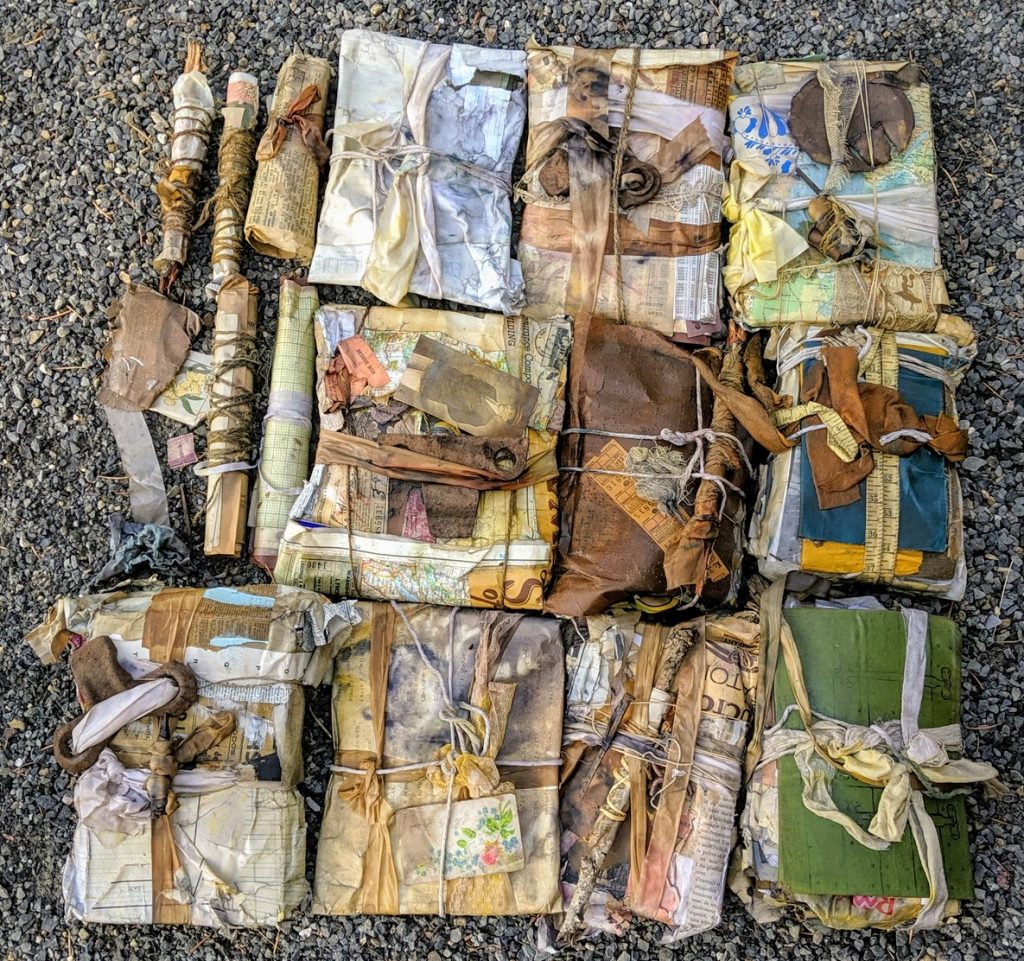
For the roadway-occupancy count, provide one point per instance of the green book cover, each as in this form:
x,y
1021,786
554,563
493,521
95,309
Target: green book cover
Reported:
x,y
853,669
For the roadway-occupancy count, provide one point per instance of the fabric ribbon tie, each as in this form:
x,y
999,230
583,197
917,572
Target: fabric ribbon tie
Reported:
x,y
761,243
906,762
295,115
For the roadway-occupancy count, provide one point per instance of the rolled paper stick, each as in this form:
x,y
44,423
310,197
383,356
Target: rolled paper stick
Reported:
x,y
236,164
281,221
193,120
231,405
287,428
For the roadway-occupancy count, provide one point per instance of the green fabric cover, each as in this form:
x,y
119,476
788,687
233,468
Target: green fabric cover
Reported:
x,y
853,669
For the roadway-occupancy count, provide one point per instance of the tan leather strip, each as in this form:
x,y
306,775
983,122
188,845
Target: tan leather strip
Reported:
x,y
164,857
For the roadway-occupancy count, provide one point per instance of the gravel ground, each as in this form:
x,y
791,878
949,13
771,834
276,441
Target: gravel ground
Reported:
x,y
82,88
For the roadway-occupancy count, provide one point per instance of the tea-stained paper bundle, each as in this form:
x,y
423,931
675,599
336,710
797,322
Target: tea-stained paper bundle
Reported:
x,y
623,186
281,220
892,513
675,746
417,202
230,849
435,474
652,473
444,796
855,810
832,196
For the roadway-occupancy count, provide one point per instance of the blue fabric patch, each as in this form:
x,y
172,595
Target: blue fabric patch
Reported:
x,y
924,490
230,595
231,641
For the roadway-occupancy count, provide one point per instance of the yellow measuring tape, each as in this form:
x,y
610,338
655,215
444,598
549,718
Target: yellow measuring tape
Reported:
x,y
882,510
837,435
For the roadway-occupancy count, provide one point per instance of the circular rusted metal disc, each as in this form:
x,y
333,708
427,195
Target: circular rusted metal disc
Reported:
x,y
889,113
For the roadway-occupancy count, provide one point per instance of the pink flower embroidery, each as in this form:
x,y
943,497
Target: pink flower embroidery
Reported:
x,y
491,852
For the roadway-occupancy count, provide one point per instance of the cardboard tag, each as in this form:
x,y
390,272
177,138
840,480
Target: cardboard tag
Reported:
x,y
362,364
483,838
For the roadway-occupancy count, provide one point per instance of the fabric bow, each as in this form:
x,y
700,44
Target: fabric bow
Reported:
x,y
295,115
760,241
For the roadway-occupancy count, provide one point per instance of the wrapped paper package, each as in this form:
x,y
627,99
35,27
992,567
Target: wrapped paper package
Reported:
x,y
444,796
855,809
869,490
230,850
673,751
623,186
418,197
652,474
436,471
236,164
192,121
229,442
832,225
288,425
281,221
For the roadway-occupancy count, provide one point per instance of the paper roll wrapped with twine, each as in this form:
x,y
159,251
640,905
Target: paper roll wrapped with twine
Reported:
x,y
281,221
236,164
193,119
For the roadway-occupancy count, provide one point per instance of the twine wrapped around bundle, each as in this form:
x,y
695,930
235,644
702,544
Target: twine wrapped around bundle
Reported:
x,y
193,119
236,165
229,445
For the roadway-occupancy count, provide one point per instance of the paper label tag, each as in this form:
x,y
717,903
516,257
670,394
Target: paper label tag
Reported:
x,y
181,451
362,363
483,838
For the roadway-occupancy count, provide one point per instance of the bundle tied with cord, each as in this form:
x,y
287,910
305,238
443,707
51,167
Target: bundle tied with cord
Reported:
x,y
832,197
623,186
418,198
865,485
857,750
236,164
444,792
187,749
230,439
652,473
435,472
657,719
281,219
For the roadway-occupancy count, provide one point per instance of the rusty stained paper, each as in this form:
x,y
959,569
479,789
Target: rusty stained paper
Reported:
x,y
666,206
783,267
669,858
375,855
403,505
638,520
417,201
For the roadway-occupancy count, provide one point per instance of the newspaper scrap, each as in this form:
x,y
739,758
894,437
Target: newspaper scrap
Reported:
x,y
281,221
